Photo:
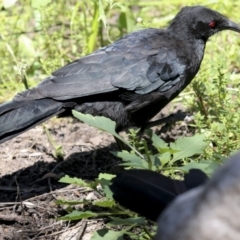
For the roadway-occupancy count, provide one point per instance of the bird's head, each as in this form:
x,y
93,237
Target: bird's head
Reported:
x,y
201,22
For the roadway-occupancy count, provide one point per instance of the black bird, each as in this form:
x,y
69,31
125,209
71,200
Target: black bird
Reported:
x,y
208,212
149,193
209,209
129,81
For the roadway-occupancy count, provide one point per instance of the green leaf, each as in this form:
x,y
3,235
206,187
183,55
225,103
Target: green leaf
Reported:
x,y
106,234
106,176
207,166
131,159
101,123
40,3
77,215
126,221
91,42
211,166
76,181
102,15
158,143
126,19
156,162
164,158
105,187
105,203
188,146
71,202
104,179
194,165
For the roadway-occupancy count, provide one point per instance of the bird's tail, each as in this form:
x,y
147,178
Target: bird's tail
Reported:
x,y
17,117
148,193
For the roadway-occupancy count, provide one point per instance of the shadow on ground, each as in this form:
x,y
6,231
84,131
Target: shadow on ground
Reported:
x,y
43,177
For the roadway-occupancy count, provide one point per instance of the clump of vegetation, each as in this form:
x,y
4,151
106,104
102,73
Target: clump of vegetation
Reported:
x,y
170,159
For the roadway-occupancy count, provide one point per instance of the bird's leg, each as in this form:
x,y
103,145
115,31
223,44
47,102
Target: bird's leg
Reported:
x,y
172,118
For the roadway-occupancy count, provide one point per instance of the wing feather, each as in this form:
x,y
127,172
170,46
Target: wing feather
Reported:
x,y
141,62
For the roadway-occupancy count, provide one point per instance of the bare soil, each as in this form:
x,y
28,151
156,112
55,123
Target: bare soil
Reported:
x,y
29,175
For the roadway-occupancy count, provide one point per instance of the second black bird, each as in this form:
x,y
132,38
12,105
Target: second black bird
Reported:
x,y
149,193
129,81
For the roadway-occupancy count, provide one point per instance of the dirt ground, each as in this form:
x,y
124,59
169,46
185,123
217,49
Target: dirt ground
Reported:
x,y
29,176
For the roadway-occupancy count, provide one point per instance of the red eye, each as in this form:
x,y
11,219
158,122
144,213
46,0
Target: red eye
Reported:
x,y
212,24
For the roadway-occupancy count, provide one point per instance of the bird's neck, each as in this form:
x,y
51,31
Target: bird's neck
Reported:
x,y
183,32
192,47
198,49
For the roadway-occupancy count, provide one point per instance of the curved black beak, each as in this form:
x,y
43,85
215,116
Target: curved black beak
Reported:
x,y
231,26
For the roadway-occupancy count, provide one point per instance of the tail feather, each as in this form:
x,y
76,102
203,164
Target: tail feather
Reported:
x,y
148,193
9,106
18,117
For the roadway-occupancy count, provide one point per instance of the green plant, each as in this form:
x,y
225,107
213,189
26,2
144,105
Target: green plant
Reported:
x,y
170,159
218,101
103,207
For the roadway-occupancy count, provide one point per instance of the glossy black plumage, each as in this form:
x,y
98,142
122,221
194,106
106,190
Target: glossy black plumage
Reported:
x,y
149,193
129,81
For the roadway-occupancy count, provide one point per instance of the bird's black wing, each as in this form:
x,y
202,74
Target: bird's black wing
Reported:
x,y
148,193
141,62
145,192
153,59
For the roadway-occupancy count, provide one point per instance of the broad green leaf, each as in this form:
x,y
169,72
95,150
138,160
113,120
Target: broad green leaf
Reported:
x,y
106,176
104,179
164,158
158,143
168,150
105,203
207,166
76,181
106,234
77,215
188,146
105,187
156,162
101,123
126,221
131,159
194,165
212,166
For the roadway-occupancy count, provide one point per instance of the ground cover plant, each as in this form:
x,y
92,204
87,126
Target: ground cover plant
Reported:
x,y
37,37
